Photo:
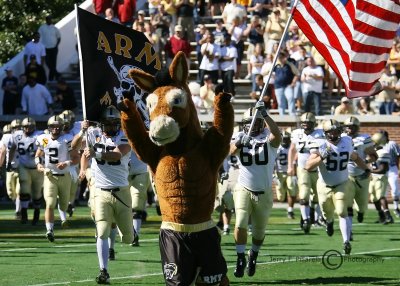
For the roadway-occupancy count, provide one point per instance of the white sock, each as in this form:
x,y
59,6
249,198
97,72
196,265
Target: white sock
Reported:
x,y
111,239
395,205
343,228
63,214
290,209
17,204
349,225
137,224
102,252
303,211
49,226
24,204
240,248
226,226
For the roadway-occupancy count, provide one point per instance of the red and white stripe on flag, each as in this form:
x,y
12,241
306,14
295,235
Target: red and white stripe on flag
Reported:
x,y
354,36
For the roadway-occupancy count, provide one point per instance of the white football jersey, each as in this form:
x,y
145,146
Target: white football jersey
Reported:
x,y
26,147
333,169
282,160
256,164
302,143
383,157
136,166
8,141
55,151
109,174
393,150
360,143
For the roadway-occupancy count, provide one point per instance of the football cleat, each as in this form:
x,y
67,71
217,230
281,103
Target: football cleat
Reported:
x,y
346,248
397,212
251,265
103,278
135,241
226,231
111,254
381,218
329,228
290,215
50,236
70,210
240,265
306,226
360,217
36,215
64,224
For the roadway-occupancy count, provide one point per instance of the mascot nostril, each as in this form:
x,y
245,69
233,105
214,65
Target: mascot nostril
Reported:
x,y
163,130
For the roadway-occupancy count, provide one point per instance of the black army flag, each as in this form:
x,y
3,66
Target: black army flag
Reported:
x,y
107,52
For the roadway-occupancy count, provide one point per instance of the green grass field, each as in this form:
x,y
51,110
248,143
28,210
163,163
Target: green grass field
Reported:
x,y
288,257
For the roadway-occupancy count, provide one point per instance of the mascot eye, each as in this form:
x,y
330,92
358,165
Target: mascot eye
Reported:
x,y
177,101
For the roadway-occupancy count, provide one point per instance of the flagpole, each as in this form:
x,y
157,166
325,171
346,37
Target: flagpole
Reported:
x,y
274,62
80,64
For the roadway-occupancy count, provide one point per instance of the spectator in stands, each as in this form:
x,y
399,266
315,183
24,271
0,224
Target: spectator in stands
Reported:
x,y
236,31
345,107
22,80
274,28
153,8
35,47
386,96
311,84
125,10
177,43
227,64
100,7
50,37
170,8
140,19
333,82
161,22
219,4
220,32
320,61
36,99
201,33
260,8
184,12
207,93
396,106
256,63
286,76
35,70
152,37
255,35
394,58
284,11
194,88
110,16
210,61
231,11
364,107
66,96
10,96
269,96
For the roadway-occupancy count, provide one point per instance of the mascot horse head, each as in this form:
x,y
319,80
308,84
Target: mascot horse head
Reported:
x,y
171,109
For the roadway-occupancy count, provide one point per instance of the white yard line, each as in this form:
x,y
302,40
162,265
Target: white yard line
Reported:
x,y
230,266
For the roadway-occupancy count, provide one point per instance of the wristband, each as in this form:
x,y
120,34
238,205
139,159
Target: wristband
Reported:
x,y
98,155
68,163
37,160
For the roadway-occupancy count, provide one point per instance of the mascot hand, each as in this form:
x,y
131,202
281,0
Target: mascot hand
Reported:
x,y
219,91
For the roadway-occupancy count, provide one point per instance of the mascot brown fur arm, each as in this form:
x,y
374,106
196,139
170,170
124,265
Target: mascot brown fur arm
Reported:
x,y
184,162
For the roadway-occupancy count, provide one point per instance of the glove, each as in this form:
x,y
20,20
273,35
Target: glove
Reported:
x,y
365,175
325,151
9,167
224,176
260,106
243,141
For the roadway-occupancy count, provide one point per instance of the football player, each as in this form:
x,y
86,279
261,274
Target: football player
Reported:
x,y
286,186
139,182
110,152
379,182
31,180
257,151
358,185
393,149
307,179
58,156
75,126
331,156
12,181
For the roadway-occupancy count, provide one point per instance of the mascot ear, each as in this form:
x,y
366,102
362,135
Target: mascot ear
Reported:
x,y
143,80
178,69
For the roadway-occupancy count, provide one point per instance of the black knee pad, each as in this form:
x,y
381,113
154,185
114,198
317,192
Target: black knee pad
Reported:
x,y
36,203
350,211
139,215
25,197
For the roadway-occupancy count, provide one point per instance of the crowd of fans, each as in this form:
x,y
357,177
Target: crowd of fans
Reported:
x,y
222,31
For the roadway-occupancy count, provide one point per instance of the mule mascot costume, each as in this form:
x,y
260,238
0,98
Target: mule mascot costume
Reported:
x,y
184,163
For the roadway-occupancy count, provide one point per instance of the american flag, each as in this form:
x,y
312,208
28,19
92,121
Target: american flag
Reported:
x,y
354,36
